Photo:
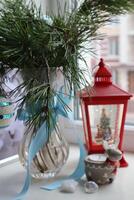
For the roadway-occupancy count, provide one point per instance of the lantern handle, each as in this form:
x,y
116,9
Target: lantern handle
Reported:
x,y
101,63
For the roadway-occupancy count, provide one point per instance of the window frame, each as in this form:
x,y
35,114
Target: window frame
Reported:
x,y
9,160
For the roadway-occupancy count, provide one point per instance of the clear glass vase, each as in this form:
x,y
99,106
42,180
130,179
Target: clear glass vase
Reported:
x,y
51,157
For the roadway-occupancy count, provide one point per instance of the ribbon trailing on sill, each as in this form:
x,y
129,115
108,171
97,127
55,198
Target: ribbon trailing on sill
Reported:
x,y
40,139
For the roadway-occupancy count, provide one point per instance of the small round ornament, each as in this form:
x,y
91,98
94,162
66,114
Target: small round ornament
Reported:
x,y
91,187
6,112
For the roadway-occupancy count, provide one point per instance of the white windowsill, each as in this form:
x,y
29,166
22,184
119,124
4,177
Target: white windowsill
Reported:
x,y
12,179
8,160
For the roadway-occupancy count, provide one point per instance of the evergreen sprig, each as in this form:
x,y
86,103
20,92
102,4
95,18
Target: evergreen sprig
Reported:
x,y
37,47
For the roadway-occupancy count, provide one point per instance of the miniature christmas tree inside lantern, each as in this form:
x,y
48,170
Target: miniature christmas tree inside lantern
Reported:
x,y
103,112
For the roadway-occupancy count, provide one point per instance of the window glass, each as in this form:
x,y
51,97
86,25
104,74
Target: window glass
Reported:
x,y
113,46
11,135
105,122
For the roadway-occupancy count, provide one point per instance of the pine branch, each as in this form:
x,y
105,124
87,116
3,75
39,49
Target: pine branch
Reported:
x,y
36,48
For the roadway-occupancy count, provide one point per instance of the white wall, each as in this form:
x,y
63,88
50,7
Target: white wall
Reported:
x,y
51,6
123,79
123,49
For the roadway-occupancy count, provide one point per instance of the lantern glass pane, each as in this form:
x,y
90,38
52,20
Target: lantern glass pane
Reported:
x,y
105,122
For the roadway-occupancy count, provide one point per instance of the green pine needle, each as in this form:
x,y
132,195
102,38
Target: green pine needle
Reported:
x,y
36,47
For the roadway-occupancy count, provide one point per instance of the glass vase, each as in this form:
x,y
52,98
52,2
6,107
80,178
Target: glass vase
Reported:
x,y
51,157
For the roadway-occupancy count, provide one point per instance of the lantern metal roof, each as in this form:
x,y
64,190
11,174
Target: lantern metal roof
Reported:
x,y
103,86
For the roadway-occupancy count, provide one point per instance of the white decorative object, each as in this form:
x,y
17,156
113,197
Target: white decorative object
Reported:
x,y
91,187
68,186
102,168
96,158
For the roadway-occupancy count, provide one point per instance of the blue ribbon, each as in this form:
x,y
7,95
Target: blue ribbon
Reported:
x,y
38,141
41,138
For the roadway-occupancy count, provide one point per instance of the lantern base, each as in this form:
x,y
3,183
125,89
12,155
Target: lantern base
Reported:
x,y
123,162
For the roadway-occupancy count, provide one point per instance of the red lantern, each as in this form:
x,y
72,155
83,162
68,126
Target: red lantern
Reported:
x,y
103,112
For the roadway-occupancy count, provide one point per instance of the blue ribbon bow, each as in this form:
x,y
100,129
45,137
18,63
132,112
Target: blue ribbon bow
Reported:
x,y
41,138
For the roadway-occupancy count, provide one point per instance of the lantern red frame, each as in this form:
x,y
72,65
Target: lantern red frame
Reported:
x,y
103,93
